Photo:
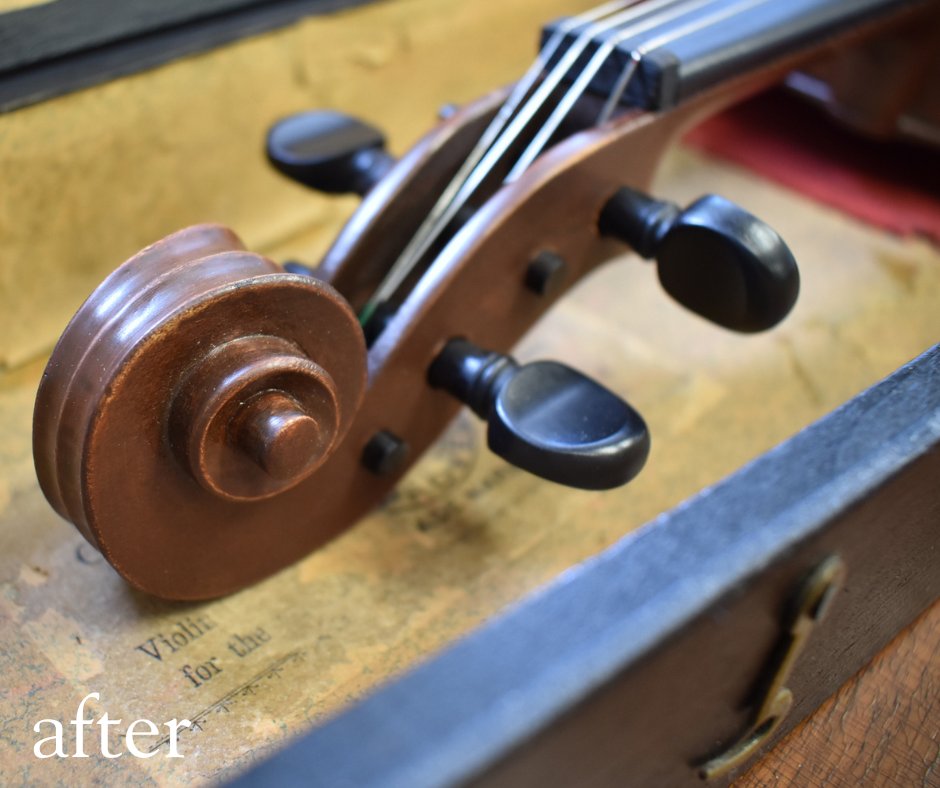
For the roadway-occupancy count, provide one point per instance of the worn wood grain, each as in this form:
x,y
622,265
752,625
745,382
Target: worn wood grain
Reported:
x,y
881,729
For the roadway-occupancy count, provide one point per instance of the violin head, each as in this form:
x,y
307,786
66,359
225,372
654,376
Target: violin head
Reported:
x,y
197,385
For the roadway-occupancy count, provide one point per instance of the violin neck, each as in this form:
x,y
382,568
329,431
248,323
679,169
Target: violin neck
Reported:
x,y
670,51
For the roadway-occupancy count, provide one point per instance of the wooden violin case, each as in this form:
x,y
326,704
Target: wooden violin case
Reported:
x,y
482,625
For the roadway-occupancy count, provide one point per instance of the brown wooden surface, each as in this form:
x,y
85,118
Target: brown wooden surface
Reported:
x,y
881,729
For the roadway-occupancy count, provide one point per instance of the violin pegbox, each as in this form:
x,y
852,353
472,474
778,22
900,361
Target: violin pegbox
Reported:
x,y
197,377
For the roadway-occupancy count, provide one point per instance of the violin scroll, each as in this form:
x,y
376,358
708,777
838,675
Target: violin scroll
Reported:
x,y
198,386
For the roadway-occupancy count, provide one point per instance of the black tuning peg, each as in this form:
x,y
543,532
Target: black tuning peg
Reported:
x,y
545,417
329,152
714,257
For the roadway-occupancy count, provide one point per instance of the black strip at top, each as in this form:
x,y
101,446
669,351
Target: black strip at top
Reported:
x,y
55,48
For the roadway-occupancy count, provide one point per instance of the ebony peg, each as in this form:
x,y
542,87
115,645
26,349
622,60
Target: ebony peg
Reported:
x,y
714,257
545,417
329,152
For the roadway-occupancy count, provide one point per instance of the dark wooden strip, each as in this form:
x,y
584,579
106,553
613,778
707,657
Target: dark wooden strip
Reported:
x,y
53,49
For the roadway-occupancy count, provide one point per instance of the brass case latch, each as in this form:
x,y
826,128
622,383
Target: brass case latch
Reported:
x,y
811,603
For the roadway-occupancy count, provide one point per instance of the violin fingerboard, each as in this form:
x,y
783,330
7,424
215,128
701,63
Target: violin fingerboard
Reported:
x,y
689,47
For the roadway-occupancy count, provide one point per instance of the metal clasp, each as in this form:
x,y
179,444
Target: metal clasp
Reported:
x,y
811,604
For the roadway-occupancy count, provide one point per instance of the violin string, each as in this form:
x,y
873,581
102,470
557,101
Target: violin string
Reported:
x,y
638,53
640,19
465,188
458,195
518,94
603,52
600,55
619,88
